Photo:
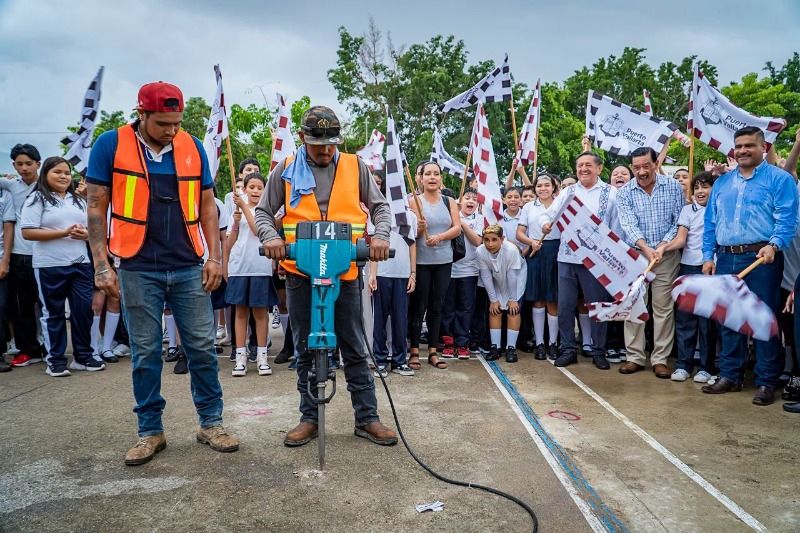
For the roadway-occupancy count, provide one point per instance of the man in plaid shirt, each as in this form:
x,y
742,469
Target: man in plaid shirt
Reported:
x,y
649,207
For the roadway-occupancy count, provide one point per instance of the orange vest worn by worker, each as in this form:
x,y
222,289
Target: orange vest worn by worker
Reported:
x,y
130,192
344,206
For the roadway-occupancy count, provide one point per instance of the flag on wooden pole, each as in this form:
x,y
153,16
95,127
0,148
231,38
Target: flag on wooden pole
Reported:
x,y
494,87
283,138
714,119
79,143
484,168
396,192
530,130
217,129
447,162
648,107
372,152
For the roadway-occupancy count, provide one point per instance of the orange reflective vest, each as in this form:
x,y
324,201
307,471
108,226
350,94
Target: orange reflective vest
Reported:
x,y
130,192
344,206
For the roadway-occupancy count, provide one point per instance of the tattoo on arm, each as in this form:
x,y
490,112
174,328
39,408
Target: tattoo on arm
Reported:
x,y
98,201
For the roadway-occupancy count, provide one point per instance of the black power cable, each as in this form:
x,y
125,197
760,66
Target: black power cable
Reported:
x,y
528,509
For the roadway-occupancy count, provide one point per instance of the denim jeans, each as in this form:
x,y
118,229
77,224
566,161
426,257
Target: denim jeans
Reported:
x,y
570,276
390,300
765,282
688,328
352,341
143,297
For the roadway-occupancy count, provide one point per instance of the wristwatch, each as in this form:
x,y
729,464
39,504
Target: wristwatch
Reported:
x,y
775,247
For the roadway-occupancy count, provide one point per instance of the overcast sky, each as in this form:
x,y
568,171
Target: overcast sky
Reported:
x,y
50,49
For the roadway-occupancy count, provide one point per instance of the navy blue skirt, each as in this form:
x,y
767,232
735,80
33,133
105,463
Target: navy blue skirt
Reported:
x,y
218,296
542,283
252,291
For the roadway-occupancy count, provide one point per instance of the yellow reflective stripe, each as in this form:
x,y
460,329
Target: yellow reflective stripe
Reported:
x,y
191,200
130,191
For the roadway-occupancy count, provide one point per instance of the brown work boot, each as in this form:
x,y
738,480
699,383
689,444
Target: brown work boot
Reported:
x,y
377,433
630,367
661,371
722,386
301,434
218,438
145,449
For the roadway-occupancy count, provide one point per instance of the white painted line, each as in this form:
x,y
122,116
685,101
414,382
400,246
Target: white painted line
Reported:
x,y
583,506
743,515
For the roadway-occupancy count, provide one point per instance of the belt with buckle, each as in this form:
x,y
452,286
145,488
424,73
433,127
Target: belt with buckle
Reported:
x,y
743,248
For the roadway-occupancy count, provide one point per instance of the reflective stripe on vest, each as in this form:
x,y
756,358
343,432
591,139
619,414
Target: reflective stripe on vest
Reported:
x,y
344,205
130,192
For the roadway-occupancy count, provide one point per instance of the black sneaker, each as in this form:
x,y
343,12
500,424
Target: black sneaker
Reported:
x,y
172,355
233,352
473,347
109,357
493,354
791,393
282,357
4,366
252,354
511,354
612,356
566,359
181,365
540,353
600,362
552,352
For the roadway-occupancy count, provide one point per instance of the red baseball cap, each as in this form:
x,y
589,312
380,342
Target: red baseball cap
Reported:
x,y
160,97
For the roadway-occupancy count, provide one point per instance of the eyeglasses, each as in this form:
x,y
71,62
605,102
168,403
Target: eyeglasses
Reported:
x,y
322,132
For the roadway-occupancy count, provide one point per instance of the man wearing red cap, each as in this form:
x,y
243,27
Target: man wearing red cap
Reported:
x,y
156,180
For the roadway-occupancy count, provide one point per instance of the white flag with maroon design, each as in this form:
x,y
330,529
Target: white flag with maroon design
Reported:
x,y
282,139
630,308
648,107
484,168
727,300
372,152
217,130
530,130
714,119
615,264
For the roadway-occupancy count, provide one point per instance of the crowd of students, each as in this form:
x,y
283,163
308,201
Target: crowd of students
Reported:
x,y
461,287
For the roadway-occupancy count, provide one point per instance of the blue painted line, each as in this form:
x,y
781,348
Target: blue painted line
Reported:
x,y
592,498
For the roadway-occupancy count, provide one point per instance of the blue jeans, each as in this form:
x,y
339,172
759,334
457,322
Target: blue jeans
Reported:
x,y
143,297
765,282
688,328
390,300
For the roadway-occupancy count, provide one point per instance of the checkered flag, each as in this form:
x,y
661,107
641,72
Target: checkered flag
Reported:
x,y
372,152
485,168
714,119
526,153
494,87
282,139
447,162
396,192
79,144
217,129
620,129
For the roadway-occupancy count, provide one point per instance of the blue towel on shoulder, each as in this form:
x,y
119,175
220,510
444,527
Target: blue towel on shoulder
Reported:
x,y
299,175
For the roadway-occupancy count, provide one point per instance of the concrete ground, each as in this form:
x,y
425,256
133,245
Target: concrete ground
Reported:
x,y
64,440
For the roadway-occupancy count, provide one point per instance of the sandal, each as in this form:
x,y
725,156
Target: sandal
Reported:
x,y
413,361
436,362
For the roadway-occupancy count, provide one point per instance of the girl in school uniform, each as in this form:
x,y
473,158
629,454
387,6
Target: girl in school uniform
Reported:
x,y
54,218
504,274
249,276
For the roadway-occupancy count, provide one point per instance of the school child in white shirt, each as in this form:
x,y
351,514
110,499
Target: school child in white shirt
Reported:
x,y
512,214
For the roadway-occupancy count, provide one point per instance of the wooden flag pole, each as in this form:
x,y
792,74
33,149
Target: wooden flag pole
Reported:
x,y
230,164
749,269
691,156
536,154
464,177
649,267
514,131
416,198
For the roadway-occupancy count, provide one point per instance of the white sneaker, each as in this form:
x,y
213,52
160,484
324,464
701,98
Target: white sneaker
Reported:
x,y
91,366
702,377
221,332
680,375
240,369
263,366
276,318
12,348
122,350
225,340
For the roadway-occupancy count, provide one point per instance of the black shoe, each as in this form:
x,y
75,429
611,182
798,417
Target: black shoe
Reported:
x,y
566,359
511,355
792,407
540,354
530,346
601,362
423,338
4,366
791,393
109,357
282,358
473,347
252,354
233,352
172,355
181,365
552,352
493,354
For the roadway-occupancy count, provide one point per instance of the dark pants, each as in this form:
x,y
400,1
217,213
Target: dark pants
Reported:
x,y
57,285
570,278
351,340
765,283
459,308
615,335
479,328
22,304
688,327
390,300
796,329
432,283
4,297
786,323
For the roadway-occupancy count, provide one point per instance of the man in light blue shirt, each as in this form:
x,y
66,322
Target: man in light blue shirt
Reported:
x,y
751,214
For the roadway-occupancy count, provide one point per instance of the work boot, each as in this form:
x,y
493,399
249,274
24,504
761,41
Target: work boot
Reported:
x,y
764,396
145,449
282,357
377,433
722,386
218,438
302,434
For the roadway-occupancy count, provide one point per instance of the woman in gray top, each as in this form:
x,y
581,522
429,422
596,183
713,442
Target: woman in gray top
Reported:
x,y
439,223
